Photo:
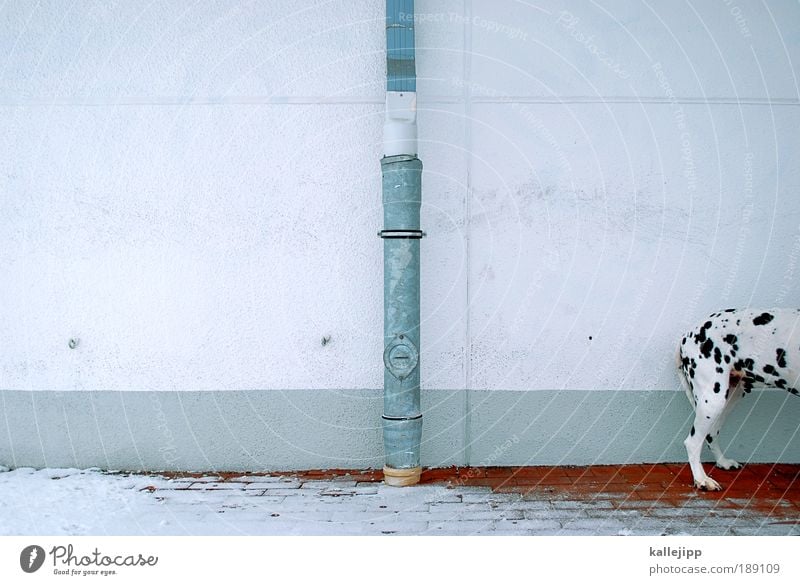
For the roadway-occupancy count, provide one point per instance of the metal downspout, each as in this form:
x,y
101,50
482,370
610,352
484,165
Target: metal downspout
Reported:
x,y
402,195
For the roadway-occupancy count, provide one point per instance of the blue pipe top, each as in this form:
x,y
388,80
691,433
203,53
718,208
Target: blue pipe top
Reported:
x,y
401,73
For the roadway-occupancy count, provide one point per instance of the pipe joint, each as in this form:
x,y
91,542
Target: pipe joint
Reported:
x,y
400,126
401,234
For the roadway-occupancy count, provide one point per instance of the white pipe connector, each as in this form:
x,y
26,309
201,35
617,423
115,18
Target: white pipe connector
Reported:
x,y
401,477
400,127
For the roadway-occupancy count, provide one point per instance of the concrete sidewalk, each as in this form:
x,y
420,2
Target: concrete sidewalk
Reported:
x,y
601,500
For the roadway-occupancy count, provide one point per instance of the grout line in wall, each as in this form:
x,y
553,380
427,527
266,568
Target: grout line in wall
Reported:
x,y
467,97
431,99
635,100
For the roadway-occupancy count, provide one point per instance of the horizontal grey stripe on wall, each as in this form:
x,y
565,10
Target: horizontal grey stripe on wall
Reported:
x,y
271,430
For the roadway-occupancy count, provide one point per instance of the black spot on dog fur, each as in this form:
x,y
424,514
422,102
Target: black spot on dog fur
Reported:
x,y
730,339
770,369
729,311
781,357
706,348
781,384
709,439
763,319
717,355
727,359
691,433
716,388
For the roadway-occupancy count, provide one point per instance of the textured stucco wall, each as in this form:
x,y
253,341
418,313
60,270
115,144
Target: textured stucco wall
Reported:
x,y
192,191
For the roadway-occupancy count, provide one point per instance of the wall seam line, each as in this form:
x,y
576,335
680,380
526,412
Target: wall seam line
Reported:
x,y
467,96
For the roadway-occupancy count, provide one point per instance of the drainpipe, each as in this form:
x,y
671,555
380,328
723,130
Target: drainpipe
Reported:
x,y
402,195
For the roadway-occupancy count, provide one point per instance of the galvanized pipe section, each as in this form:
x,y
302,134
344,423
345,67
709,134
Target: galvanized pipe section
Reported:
x,y
402,197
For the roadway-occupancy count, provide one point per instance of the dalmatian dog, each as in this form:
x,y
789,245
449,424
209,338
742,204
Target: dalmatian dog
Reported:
x,y
722,359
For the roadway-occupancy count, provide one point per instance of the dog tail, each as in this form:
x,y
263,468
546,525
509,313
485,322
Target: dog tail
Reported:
x,y
682,375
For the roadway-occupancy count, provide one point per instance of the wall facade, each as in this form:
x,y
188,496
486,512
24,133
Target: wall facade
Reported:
x,y
190,196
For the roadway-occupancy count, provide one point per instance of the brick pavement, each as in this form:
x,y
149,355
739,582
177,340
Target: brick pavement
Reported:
x,y
658,499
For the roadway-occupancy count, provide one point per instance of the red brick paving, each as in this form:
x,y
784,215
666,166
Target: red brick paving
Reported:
x,y
764,489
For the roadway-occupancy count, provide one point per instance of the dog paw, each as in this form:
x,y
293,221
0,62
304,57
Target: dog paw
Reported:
x,y
707,484
728,464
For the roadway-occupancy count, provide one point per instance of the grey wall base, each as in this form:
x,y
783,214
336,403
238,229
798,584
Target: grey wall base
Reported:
x,y
313,429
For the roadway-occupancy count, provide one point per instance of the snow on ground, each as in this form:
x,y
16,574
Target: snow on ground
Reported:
x,y
75,502
90,502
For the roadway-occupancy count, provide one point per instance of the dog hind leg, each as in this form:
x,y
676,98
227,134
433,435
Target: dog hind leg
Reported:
x,y
734,394
709,413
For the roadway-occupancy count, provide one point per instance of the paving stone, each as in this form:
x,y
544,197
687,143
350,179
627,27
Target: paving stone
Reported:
x,y
205,479
597,524
459,527
554,514
278,492
527,525
222,486
365,516
447,506
305,516
282,485
766,530
396,507
178,483
573,505
327,485
398,528
612,513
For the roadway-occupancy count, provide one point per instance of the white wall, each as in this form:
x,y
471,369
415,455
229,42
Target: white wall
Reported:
x,y
192,190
